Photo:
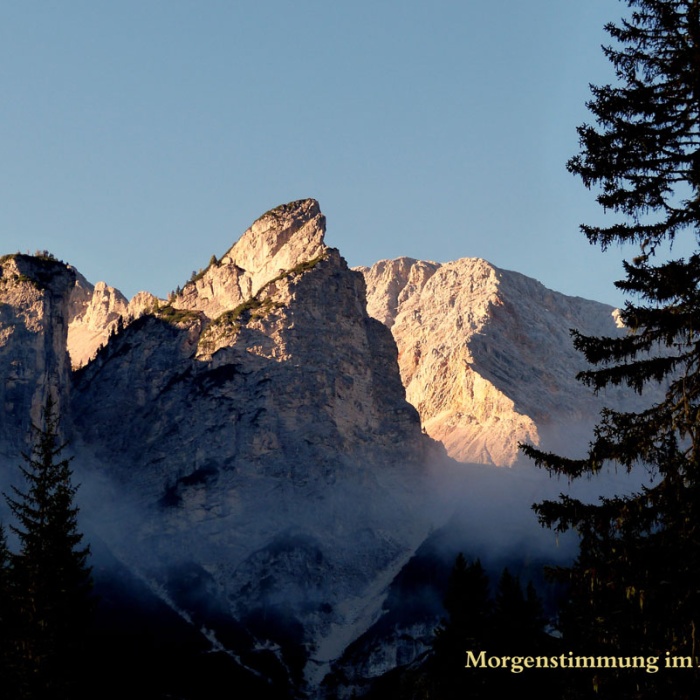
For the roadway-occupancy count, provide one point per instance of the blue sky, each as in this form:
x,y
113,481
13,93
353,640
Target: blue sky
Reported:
x,y
139,138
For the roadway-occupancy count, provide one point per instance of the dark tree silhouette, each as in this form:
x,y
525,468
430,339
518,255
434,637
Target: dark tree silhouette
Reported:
x,y
50,576
634,585
518,619
469,609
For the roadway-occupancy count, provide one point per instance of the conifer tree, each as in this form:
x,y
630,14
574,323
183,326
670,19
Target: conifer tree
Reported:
x,y
468,604
50,576
634,585
5,579
6,618
518,620
468,627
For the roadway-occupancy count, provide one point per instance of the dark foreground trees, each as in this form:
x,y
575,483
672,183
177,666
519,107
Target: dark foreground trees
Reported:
x,y
634,586
46,593
509,623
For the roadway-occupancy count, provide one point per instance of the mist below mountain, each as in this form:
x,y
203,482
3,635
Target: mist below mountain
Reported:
x,y
262,454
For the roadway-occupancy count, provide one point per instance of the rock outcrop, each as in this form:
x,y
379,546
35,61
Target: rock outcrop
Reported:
x,y
34,294
486,355
95,313
257,428
279,241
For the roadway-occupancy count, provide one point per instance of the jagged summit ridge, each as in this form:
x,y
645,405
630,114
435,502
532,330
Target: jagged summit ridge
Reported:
x,y
484,354
279,240
94,314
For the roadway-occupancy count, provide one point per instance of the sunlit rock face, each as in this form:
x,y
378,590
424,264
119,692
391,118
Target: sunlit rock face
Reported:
x,y
95,312
486,354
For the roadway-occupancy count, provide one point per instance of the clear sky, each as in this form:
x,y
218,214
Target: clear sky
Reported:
x,y
139,137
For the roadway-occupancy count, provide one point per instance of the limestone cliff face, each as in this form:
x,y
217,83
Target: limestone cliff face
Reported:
x,y
94,313
485,354
33,360
258,426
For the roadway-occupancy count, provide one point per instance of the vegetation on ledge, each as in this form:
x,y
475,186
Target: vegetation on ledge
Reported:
x,y
255,307
38,269
282,210
170,314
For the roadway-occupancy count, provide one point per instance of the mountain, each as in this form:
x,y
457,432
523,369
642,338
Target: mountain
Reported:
x,y
486,356
250,436
260,458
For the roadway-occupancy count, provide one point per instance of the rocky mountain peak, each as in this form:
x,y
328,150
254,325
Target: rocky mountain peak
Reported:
x,y
280,240
284,236
275,449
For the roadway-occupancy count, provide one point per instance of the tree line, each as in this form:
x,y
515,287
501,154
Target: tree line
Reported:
x,y
507,618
